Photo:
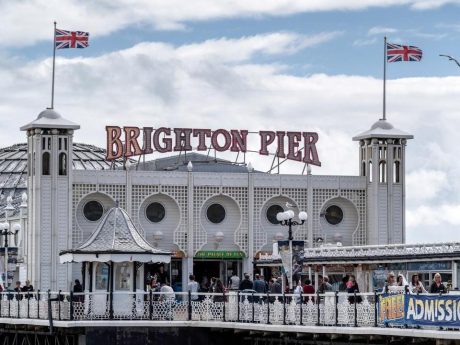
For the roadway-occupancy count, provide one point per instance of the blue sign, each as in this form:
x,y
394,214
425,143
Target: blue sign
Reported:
x,y
422,310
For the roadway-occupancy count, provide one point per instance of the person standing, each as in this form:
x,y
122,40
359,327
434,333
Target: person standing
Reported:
x,y
416,285
162,276
219,290
234,281
343,284
437,286
18,290
246,283
193,288
352,288
259,285
78,289
390,285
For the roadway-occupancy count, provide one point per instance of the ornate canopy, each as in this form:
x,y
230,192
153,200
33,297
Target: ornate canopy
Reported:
x,y
116,239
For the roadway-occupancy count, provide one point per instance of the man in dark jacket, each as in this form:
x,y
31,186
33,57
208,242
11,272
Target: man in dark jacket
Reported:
x,y
259,285
246,283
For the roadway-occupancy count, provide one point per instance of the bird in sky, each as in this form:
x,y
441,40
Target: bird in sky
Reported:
x,y
451,59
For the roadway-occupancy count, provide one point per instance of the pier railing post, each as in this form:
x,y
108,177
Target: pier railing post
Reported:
x,y
28,305
284,308
253,308
318,302
189,305
71,306
301,309
111,304
59,305
376,303
356,309
18,298
50,312
150,305
238,306
336,302
268,308
223,308
38,303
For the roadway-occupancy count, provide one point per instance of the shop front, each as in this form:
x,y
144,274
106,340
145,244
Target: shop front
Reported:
x,y
209,264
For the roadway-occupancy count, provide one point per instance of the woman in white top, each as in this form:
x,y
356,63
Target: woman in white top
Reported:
x,y
416,286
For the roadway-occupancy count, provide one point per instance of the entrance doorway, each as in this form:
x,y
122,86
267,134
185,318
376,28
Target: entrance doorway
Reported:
x,y
204,271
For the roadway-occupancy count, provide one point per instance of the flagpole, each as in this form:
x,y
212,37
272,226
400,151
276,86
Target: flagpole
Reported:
x,y
384,78
54,65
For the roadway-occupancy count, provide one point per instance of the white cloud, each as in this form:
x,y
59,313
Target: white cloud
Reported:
x,y
433,182
160,14
379,30
217,83
364,42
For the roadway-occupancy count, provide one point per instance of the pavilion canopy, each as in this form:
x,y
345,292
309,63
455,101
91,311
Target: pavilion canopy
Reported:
x,y
116,239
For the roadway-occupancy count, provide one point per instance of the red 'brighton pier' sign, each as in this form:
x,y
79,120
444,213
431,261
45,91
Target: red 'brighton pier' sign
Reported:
x,y
297,146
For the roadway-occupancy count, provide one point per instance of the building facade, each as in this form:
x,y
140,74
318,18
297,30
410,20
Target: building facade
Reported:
x,y
215,216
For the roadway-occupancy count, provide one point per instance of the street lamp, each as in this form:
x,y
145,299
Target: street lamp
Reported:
x,y
285,218
4,230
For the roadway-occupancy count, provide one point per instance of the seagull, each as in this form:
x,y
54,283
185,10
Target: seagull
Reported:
x,y
288,205
451,59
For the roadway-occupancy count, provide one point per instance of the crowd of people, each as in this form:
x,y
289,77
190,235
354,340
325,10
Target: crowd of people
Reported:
x,y
399,284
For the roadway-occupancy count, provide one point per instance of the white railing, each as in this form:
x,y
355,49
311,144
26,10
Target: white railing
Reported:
x,y
329,309
325,309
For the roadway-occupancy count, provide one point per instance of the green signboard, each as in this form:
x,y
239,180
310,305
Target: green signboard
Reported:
x,y
218,254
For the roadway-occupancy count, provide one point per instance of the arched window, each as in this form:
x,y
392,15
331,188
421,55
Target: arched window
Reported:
x,y
62,164
396,172
363,169
383,172
370,171
46,163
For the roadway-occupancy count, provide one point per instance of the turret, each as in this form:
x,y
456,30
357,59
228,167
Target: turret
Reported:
x,y
382,162
49,149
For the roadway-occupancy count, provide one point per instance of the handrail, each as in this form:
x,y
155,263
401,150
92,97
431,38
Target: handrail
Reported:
x,y
326,309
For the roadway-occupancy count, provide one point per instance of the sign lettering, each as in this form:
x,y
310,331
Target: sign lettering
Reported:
x,y
134,141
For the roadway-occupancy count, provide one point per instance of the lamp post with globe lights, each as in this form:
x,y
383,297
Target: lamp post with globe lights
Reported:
x,y
286,218
4,230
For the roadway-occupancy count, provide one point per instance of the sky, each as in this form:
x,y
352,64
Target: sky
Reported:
x,y
258,65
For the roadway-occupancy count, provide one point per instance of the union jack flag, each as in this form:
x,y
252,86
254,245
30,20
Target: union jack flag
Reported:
x,y
71,39
396,52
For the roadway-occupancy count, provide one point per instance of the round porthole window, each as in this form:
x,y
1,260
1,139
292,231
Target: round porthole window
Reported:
x,y
215,213
334,214
272,211
155,212
93,210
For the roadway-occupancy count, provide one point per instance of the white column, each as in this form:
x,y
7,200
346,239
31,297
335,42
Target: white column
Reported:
x,y
250,194
188,268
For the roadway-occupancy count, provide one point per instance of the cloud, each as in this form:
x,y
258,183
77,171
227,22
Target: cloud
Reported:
x,y
379,30
433,182
159,15
364,42
221,83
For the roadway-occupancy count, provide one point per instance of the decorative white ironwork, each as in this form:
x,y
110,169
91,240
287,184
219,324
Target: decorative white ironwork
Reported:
x,y
376,252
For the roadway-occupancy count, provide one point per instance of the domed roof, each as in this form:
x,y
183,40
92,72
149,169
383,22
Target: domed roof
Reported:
x,y
49,118
49,114
382,124
13,168
383,129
